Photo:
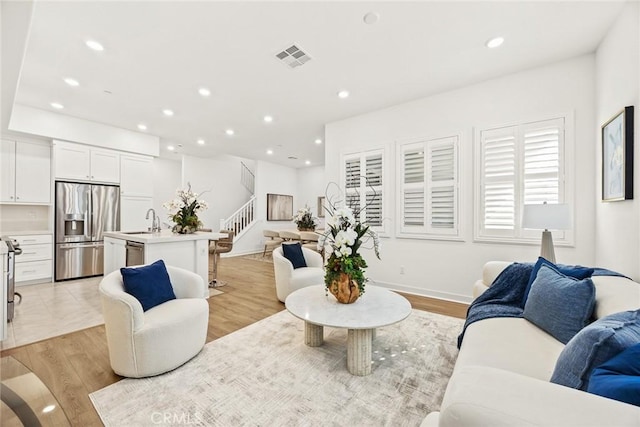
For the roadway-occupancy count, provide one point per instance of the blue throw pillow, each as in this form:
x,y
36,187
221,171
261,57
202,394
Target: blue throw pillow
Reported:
x,y
558,304
575,271
619,377
149,284
594,345
293,252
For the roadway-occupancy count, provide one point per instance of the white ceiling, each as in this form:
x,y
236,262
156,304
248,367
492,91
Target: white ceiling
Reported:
x,y
157,55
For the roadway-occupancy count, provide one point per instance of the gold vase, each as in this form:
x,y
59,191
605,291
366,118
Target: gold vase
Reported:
x,y
345,289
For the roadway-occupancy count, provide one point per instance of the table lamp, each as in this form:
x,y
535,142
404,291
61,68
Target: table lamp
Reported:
x,y
547,217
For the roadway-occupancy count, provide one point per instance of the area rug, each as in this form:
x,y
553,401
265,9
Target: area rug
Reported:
x,y
264,375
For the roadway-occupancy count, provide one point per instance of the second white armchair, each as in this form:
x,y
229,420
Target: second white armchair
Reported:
x,y
289,279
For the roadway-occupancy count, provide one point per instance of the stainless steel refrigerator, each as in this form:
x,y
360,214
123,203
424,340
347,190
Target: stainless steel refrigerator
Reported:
x,y
83,213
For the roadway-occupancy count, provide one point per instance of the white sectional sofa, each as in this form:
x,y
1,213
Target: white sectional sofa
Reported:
x,y
501,376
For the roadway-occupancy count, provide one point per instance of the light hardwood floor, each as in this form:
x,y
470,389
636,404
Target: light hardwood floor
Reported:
x,y
76,364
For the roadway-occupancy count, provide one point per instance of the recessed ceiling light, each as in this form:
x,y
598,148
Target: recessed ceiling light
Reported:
x,y
170,147
269,152
92,44
371,18
142,126
307,162
201,141
494,42
71,82
268,119
57,105
204,91
167,112
318,141
343,94
229,132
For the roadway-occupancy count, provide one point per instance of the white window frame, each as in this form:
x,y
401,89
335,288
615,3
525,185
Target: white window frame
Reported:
x,y
382,230
427,231
566,185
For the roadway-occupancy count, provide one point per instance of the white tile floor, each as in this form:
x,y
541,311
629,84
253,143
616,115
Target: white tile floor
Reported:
x,y
52,309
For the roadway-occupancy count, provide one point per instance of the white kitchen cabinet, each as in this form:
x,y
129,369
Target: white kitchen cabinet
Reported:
x,y
115,254
79,162
136,175
133,211
35,263
26,173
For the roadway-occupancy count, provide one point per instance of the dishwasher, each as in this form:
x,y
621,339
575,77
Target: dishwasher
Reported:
x,y
135,253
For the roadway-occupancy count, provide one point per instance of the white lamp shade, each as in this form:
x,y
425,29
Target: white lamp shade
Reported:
x,y
546,217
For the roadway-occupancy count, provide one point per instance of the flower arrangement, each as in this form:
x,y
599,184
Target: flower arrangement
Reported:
x,y
344,272
304,219
187,206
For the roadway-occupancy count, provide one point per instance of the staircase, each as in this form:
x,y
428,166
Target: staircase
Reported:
x,y
241,219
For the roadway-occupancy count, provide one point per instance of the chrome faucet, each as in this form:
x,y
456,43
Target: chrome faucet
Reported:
x,y
155,222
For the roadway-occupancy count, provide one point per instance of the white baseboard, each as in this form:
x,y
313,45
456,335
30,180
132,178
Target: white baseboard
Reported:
x,y
447,296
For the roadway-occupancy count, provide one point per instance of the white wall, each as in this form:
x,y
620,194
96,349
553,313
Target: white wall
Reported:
x,y
219,179
311,185
167,178
448,269
60,126
617,85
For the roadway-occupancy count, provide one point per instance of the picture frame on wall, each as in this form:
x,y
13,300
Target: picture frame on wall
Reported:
x,y
279,207
617,157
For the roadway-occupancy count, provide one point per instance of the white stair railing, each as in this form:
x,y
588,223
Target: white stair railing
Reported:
x,y
247,178
240,219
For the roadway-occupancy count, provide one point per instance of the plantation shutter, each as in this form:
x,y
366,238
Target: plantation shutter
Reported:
x,y
442,185
429,188
542,175
498,180
363,177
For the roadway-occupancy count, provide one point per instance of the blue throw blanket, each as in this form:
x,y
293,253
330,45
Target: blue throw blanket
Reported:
x,y
506,295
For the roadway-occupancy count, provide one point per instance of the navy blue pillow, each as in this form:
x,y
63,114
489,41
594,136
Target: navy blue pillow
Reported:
x,y
594,345
149,284
293,252
560,305
619,377
575,271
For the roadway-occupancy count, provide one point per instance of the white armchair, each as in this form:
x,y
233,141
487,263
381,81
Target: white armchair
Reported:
x,y
289,279
146,343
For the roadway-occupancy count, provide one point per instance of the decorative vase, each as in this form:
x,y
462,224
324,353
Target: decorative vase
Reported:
x,y
184,229
305,228
345,289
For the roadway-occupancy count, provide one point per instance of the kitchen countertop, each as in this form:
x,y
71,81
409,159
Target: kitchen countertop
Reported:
x,y
24,232
164,236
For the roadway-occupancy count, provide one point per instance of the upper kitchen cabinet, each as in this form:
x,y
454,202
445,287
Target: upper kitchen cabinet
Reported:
x,y
25,173
84,163
136,175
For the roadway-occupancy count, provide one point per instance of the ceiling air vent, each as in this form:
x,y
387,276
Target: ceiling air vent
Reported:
x,y
293,56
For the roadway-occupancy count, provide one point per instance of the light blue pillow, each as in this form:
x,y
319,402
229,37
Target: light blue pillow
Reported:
x,y
576,271
558,304
594,345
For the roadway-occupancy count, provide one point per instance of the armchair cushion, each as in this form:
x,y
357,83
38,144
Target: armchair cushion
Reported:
x,y
293,252
149,284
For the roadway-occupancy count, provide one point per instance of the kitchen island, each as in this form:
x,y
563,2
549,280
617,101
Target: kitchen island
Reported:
x,y
188,251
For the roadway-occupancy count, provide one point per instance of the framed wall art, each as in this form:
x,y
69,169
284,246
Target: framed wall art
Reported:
x,y
279,207
617,157
321,209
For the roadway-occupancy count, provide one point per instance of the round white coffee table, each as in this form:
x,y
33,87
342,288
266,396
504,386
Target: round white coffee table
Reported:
x,y
376,308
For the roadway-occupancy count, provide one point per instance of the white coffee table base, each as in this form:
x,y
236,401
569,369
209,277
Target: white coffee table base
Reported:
x,y
379,307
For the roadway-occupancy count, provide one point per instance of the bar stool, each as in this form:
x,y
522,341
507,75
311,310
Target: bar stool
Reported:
x,y
217,247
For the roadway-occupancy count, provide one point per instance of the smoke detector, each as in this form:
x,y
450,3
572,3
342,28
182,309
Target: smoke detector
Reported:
x,y
293,56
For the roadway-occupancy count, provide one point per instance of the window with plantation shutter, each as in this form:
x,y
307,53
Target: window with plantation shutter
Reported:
x,y
517,165
363,181
428,188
